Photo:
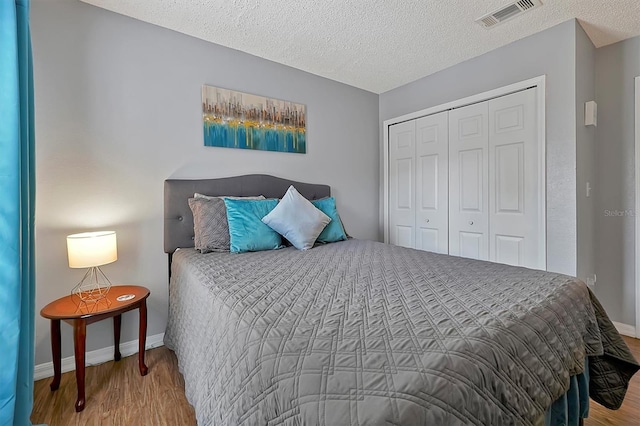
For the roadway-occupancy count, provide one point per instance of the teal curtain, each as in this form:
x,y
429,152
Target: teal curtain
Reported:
x,y
17,192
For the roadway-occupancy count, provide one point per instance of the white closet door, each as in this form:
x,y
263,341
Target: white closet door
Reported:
x,y
514,181
432,198
402,176
468,182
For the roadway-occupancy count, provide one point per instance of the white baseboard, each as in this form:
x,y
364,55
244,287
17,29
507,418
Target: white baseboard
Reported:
x,y
42,371
625,329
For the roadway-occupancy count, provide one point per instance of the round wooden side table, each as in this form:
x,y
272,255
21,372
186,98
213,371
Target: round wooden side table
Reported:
x,y
73,311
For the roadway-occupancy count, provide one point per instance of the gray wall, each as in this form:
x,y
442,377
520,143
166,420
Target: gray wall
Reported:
x,y
118,111
616,67
585,155
550,52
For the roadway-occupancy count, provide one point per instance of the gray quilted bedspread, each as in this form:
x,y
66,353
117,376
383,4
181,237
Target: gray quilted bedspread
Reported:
x,y
363,333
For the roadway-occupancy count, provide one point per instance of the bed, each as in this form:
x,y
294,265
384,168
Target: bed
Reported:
x,y
364,333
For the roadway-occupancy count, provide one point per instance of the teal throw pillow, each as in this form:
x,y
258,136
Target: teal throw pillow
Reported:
x,y
246,230
334,231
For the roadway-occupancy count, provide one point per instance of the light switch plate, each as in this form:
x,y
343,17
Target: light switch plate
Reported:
x,y
591,113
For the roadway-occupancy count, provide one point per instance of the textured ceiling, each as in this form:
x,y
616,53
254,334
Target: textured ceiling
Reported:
x,y
375,45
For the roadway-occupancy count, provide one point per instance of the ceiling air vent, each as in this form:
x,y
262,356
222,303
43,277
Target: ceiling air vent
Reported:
x,y
507,12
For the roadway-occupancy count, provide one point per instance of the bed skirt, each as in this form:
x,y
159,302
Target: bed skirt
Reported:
x,y
573,406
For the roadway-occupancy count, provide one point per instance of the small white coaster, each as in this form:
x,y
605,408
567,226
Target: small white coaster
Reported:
x,y
125,297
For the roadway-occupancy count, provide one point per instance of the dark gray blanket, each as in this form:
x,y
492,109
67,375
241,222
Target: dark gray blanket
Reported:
x,y
363,333
609,373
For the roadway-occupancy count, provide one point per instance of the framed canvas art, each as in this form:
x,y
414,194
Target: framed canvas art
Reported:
x,y
242,120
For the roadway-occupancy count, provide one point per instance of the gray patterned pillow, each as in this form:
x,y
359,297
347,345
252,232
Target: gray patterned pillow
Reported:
x,y
210,226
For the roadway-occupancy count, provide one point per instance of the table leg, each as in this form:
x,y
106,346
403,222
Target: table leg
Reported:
x,y
117,321
79,340
142,340
56,353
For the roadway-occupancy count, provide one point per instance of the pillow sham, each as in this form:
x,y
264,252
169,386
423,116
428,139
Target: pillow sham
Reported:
x,y
334,231
296,219
246,230
233,197
210,227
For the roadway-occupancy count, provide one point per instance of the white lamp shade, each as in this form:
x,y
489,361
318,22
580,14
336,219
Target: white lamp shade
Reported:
x,y
92,249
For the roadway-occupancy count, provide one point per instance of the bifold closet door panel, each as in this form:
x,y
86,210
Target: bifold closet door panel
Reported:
x,y
468,181
514,173
432,188
402,189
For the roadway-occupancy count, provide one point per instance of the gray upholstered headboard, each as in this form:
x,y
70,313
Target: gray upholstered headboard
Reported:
x,y
178,220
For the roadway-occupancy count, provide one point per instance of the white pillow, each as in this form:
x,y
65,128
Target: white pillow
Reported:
x,y
296,219
209,197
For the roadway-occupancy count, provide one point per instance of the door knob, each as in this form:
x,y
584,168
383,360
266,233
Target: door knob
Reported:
x,y
426,220
470,222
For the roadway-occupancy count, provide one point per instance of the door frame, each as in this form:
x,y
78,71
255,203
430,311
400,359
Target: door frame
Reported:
x,y
637,211
538,82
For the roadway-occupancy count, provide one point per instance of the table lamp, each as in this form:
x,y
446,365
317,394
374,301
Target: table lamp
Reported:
x,y
92,250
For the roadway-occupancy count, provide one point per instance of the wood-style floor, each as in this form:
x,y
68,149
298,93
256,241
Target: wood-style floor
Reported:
x,y
117,395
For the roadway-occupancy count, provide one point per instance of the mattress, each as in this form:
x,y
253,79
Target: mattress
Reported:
x,y
364,333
